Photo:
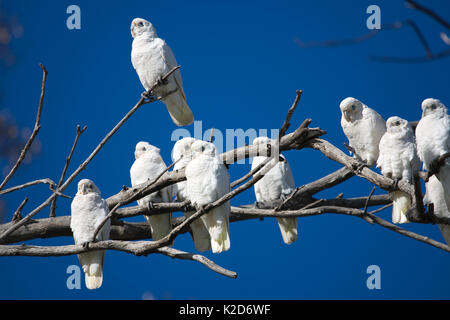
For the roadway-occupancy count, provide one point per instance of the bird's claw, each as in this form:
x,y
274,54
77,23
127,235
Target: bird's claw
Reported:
x,y
161,81
396,181
434,167
86,245
150,206
359,167
148,96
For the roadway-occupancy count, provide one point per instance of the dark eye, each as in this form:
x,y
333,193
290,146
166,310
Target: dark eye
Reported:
x,y
141,24
203,149
397,123
353,107
433,107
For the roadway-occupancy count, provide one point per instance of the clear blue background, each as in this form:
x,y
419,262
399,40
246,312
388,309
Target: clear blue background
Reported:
x,y
240,67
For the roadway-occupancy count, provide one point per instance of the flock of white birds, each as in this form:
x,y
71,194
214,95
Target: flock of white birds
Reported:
x,y
392,145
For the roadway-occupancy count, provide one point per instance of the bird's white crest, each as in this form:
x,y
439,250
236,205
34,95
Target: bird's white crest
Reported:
x,y
203,147
182,148
351,109
86,186
433,106
143,147
141,26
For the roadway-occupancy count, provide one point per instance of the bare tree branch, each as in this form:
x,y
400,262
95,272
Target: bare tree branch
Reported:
x,y
414,5
66,166
48,181
37,127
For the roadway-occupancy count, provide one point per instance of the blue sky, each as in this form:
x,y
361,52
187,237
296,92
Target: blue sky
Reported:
x,y
240,68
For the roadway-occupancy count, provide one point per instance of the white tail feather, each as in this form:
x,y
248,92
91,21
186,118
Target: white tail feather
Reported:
x,y
288,228
445,230
401,202
160,225
178,109
200,234
92,263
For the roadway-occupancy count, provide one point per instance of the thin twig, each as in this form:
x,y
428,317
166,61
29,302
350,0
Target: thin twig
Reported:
x,y
17,215
291,110
28,184
37,127
177,254
66,166
414,5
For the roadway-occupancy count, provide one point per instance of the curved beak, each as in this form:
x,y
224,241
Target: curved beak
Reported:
x,y
132,30
84,189
347,116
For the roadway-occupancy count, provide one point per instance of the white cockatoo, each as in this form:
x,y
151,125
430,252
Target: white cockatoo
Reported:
x,y
88,210
398,160
433,140
435,195
147,166
152,58
276,184
363,127
207,180
200,234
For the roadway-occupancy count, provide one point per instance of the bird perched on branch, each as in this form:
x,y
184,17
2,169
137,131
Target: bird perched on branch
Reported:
x,y
207,180
276,184
398,160
88,210
153,58
182,153
148,166
433,141
435,194
363,127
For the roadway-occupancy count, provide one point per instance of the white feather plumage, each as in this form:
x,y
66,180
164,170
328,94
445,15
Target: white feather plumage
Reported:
x,y
433,140
153,58
147,166
207,180
277,183
363,127
200,234
398,160
88,209
435,195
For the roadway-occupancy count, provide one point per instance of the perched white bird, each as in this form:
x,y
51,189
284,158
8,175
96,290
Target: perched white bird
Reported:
x,y
207,180
433,140
276,184
200,234
147,166
88,210
363,127
398,160
435,195
152,58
